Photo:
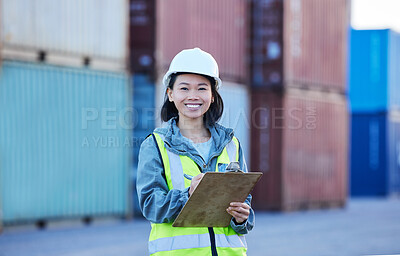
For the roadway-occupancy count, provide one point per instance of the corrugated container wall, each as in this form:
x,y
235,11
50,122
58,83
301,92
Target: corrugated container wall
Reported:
x,y
394,70
236,114
368,89
375,154
142,36
218,27
67,32
374,70
63,145
144,109
300,43
300,143
144,122
267,43
394,152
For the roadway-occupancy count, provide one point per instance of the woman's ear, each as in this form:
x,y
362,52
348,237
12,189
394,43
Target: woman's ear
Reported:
x,y
169,93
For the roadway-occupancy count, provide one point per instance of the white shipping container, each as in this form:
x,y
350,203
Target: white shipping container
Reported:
x,y
237,113
66,30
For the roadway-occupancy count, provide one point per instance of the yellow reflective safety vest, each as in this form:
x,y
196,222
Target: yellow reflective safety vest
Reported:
x,y
181,241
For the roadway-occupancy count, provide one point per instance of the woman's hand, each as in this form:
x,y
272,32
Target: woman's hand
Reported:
x,y
239,211
195,181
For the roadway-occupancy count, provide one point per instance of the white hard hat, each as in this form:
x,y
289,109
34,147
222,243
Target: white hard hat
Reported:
x,y
194,61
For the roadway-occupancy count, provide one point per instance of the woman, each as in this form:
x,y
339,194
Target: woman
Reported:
x,y
174,158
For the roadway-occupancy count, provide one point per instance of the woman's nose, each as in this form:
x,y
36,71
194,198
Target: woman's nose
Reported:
x,y
193,94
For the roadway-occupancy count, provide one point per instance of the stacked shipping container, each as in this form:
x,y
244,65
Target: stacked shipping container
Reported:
x,y
374,102
142,63
299,43
237,113
375,154
298,142
60,158
70,32
374,70
142,31
143,122
218,27
58,167
299,136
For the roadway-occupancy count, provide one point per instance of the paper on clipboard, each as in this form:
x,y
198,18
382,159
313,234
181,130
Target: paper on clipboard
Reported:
x,y
207,205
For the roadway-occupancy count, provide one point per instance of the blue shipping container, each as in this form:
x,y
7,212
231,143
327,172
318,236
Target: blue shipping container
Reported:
x,y
394,152
374,72
62,151
144,121
143,103
375,154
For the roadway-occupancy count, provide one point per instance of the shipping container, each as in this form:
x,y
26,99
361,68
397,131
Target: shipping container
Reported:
x,y
301,43
142,36
374,71
236,113
394,152
375,154
143,102
218,27
70,32
64,145
144,122
299,141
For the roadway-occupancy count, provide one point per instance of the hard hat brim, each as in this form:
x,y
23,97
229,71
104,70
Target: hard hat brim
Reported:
x,y
169,73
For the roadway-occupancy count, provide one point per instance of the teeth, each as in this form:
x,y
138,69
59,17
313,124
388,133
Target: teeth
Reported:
x,y
193,106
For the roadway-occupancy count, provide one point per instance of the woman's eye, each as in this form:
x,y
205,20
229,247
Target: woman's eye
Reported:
x,y
184,88
202,88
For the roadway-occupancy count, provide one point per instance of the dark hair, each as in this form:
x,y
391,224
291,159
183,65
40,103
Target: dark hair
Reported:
x,y
213,114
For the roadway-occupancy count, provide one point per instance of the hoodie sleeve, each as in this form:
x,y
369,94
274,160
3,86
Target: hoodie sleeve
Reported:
x,y
157,202
248,225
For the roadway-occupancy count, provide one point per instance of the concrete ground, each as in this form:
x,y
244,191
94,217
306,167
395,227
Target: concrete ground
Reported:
x,y
364,227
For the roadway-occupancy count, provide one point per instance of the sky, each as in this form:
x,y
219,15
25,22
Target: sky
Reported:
x,y
375,14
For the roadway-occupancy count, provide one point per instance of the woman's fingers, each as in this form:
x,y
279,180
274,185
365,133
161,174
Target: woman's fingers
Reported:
x,y
239,217
238,204
240,211
195,181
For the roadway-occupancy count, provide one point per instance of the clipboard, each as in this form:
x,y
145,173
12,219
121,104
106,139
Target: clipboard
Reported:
x,y
207,205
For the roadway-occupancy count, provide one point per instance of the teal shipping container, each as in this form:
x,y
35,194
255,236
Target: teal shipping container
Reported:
x,y
374,70
65,147
144,122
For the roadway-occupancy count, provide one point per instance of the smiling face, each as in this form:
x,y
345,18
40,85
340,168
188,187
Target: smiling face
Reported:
x,y
191,95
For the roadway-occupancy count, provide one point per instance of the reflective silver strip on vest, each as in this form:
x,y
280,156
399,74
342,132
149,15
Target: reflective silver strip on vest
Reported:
x,y
233,241
179,242
175,165
176,168
231,150
195,241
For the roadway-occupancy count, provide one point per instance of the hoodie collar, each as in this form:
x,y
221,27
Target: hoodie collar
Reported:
x,y
176,142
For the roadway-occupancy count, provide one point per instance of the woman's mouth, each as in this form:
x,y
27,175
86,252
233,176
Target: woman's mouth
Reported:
x,y
193,106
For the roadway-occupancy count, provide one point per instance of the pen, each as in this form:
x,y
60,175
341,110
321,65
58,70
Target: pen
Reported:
x,y
187,176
